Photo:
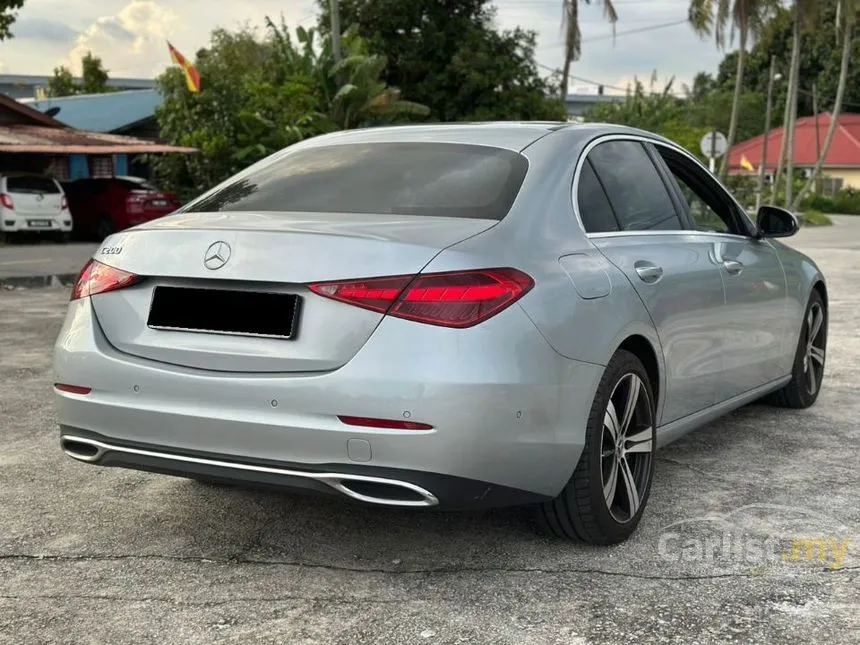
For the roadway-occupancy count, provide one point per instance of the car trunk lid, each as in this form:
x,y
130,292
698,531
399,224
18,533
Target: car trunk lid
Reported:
x,y
254,262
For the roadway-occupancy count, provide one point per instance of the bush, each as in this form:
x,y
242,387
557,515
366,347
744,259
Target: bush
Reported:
x,y
845,202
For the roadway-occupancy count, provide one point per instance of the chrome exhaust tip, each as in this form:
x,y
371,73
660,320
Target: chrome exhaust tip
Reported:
x,y
86,450
387,492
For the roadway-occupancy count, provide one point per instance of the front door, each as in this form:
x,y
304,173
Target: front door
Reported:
x,y
756,322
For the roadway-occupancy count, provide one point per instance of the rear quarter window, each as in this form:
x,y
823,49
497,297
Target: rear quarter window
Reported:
x,y
32,185
425,179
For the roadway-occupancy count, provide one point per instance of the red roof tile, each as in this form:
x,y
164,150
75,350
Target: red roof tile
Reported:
x,y
844,152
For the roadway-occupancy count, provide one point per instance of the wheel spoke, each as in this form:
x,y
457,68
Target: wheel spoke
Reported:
x,y
813,380
611,484
630,404
629,487
815,322
817,354
641,441
610,421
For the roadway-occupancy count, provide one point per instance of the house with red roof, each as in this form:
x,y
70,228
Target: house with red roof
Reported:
x,y
841,167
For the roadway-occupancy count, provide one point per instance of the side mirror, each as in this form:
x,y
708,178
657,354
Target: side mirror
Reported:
x,y
776,222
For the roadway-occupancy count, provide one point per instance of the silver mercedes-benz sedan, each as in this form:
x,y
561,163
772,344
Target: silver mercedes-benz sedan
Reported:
x,y
444,316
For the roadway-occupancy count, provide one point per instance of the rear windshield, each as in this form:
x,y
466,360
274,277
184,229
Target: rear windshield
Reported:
x,y
31,185
431,179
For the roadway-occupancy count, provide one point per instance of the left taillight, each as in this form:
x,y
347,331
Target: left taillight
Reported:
x,y
97,278
64,204
452,299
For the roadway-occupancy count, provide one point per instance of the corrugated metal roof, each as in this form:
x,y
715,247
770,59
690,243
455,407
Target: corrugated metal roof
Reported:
x,y
48,140
102,112
843,153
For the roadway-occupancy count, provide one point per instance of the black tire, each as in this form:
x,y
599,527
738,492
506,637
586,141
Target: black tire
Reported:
x,y
581,512
105,227
808,370
62,238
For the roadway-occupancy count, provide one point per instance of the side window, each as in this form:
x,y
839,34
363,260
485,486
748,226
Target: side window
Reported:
x,y
635,189
709,206
594,208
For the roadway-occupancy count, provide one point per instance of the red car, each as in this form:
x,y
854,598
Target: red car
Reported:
x,y
103,206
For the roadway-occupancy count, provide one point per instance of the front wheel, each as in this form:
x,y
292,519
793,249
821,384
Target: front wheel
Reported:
x,y
604,499
808,369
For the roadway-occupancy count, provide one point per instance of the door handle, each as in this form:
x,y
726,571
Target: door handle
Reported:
x,y
733,267
649,273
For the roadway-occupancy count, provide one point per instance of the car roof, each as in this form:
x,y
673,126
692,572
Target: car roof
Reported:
x,y
511,135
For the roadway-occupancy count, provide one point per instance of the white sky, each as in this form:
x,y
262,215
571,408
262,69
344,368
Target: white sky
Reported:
x,y
129,35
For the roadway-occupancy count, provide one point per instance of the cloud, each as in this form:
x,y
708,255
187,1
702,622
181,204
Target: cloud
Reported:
x,y
131,43
44,29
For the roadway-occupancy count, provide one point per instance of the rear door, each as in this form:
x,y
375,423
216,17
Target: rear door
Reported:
x,y
674,271
756,325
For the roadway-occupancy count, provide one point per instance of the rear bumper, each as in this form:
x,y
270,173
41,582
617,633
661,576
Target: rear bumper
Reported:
x,y
508,412
21,224
366,484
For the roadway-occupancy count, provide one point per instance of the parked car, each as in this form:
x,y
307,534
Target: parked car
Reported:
x,y
442,316
33,205
104,206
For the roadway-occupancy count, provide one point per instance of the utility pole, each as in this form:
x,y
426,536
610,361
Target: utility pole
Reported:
x,y
767,122
334,8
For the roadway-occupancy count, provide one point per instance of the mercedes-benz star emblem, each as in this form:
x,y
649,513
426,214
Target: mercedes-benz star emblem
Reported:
x,y
216,256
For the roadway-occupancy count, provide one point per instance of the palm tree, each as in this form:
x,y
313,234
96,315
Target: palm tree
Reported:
x,y
846,21
803,12
573,35
744,16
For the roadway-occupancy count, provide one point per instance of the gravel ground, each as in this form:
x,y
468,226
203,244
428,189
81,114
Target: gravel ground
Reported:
x,y
90,555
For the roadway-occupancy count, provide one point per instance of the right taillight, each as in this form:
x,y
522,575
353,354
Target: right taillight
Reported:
x,y
100,278
6,200
451,299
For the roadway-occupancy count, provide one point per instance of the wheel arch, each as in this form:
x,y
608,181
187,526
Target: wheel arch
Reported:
x,y
644,350
821,288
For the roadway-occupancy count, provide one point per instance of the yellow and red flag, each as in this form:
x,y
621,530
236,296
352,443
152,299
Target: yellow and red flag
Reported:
x,y
192,76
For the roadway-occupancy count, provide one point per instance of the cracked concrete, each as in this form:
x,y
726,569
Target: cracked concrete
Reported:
x,y
90,555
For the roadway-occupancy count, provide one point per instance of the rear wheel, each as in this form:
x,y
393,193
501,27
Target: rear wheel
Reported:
x,y
62,238
808,370
604,500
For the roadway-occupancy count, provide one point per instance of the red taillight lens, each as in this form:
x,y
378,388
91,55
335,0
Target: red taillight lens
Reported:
x,y
388,424
64,204
453,299
101,278
6,201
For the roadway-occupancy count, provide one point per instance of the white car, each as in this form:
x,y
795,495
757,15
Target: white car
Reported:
x,y
33,204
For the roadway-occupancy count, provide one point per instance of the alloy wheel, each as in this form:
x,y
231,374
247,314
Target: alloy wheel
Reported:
x,y
627,447
813,357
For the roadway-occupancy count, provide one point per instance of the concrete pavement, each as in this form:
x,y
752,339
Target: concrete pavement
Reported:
x,y
36,264
103,555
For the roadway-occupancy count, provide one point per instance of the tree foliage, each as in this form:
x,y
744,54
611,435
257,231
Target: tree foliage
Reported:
x,y
262,94
684,119
8,14
447,55
820,61
94,78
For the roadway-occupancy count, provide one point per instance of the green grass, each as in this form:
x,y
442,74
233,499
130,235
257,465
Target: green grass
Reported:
x,y
815,218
